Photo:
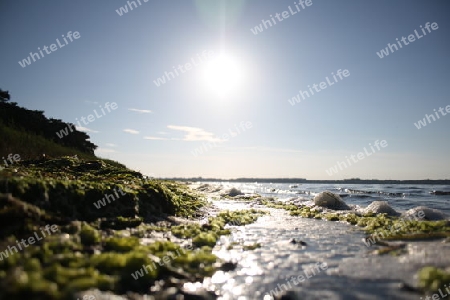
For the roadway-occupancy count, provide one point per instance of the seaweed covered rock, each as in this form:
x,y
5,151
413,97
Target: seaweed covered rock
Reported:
x,y
89,190
75,199
381,207
19,218
103,242
330,200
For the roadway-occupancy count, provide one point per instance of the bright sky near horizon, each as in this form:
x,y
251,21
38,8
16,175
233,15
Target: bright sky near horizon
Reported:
x,y
200,94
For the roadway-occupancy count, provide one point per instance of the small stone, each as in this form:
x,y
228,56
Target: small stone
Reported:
x,y
228,266
288,295
406,287
233,192
300,242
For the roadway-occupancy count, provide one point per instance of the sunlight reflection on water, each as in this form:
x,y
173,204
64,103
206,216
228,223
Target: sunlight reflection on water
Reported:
x,y
261,270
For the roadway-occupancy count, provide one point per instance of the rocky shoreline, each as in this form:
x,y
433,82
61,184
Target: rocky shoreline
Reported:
x,y
154,239
406,250
145,240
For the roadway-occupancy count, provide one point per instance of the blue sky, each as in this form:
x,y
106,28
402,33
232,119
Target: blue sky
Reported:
x,y
118,58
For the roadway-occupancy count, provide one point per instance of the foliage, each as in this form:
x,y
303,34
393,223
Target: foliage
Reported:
x,y
34,123
4,96
31,146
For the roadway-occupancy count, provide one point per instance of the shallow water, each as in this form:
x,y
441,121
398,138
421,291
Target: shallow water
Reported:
x,y
400,196
352,272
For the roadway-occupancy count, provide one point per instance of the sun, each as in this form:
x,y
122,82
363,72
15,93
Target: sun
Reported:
x,y
223,75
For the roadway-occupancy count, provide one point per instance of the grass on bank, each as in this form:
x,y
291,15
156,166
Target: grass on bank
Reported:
x,y
32,146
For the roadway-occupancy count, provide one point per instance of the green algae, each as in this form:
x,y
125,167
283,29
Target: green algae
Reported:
x,y
143,230
231,245
121,223
377,226
21,218
246,198
199,263
62,265
350,218
240,217
432,279
88,235
186,231
272,203
331,217
395,228
392,228
90,251
395,250
205,239
252,246
207,233
121,244
88,190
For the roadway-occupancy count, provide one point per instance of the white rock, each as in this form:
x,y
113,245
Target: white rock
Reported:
x,y
380,207
425,213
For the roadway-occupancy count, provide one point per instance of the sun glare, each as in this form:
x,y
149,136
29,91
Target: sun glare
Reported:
x,y
223,75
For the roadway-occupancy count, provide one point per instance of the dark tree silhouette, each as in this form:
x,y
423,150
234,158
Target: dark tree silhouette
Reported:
x,y
4,96
34,121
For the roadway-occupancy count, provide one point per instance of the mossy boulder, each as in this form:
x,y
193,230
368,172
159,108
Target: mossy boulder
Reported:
x,y
20,218
89,190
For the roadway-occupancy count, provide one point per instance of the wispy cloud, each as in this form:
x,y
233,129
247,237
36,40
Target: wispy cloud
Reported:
x,y
155,138
195,134
270,149
111,145
91,102
105,150
131,131
141,111
85,129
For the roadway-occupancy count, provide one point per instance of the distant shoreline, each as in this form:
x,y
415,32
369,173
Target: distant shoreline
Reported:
x,y
303,180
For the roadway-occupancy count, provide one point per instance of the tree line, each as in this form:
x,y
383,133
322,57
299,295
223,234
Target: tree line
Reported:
x,y
34,121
